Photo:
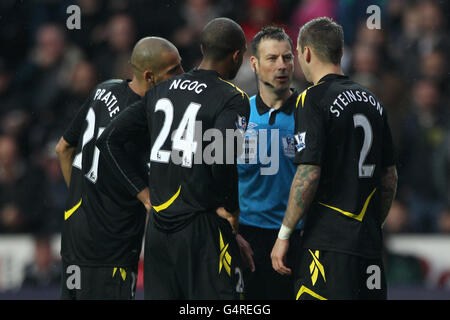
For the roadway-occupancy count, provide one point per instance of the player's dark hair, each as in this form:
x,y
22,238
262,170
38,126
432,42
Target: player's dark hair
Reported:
x,y
326,38
269,32
221,37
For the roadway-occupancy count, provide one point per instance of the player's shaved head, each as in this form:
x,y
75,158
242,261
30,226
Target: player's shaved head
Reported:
x,y
221,37
147,54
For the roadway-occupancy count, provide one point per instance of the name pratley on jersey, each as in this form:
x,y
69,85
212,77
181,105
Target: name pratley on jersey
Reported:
x,y
109,99
346,98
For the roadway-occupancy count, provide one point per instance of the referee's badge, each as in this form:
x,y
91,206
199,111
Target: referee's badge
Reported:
x,y
300,142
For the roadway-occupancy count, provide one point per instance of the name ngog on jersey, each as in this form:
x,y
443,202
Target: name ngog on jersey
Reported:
x,y
186,84
109,99
347,97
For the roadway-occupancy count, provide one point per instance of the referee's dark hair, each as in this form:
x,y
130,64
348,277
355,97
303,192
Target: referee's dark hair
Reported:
x,y
269,32
221,37
325,37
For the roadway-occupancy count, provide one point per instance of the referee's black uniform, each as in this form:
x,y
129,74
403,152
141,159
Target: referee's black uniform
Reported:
x,y
103,224
342,127
190,252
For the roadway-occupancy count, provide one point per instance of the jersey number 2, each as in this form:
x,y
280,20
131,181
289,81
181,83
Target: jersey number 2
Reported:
x,y
364,170
91,175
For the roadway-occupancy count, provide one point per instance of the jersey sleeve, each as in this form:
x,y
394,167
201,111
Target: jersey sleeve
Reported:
x,y
387,145
234,116
309,134
128,126
73,132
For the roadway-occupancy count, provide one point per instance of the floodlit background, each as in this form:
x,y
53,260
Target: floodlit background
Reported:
x,y
47,71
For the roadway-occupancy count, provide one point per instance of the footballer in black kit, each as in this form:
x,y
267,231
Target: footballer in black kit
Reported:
x,y
190,251
184,231
103,223
343,127
346,176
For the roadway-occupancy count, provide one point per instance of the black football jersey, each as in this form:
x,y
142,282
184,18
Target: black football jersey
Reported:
x,y
103,223
342,127
190,170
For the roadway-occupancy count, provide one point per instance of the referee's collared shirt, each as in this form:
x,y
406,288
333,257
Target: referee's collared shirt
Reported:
x,y
265,176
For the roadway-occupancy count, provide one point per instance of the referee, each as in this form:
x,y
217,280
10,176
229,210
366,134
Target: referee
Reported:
x,y
346,177
103,224
264,185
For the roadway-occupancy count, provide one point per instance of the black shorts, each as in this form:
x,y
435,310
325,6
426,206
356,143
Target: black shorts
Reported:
x,y
329,275
265,283
199,262
98,283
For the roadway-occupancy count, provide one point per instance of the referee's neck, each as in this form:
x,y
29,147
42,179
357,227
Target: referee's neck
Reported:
x,y
274,99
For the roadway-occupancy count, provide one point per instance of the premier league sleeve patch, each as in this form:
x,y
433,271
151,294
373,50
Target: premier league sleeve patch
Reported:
x,y
300,142
241,123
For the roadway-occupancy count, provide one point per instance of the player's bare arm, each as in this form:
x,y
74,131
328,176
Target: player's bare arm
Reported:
x,y
144,197
302,193
66,153
388,190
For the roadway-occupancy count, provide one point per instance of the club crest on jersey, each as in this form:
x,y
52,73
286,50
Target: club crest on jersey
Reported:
x,y
300,142
241,123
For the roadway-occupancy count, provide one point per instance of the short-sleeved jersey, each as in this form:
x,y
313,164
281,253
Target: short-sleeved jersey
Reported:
x,y
103,223
190,170
266,168
342,127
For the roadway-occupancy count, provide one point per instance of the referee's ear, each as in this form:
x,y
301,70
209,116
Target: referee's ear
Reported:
x,y
253,62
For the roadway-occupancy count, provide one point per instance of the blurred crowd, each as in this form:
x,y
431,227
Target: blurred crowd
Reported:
x,y
47,71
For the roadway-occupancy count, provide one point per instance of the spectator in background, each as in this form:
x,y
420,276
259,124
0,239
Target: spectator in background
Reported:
x,y
260,13
20,187
112,59
193,16
444,220
81,81
93,25
398,220
44,271
425,156
434,67
53,193
46,70
310,9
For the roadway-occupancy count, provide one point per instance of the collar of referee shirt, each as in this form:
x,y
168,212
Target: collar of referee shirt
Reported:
x,y
332,76
287,107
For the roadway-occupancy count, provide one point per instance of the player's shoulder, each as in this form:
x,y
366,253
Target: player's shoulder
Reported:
x,y
231,89
313,93
111,83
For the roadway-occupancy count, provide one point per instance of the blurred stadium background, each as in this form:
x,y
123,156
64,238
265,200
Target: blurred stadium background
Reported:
x,y
47,70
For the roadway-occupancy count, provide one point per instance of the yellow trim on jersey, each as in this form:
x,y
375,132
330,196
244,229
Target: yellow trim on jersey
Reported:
x,y
122,271
303,95
69,212
315,267
224,258
304,289
359,216
234,86
166,204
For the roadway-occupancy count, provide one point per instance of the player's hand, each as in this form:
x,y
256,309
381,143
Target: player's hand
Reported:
x,y
246,252
233,218
144,197
278,256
